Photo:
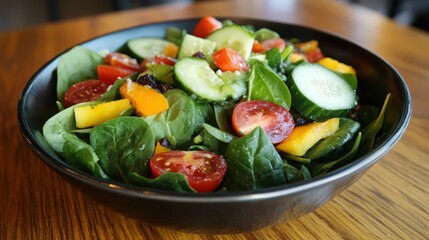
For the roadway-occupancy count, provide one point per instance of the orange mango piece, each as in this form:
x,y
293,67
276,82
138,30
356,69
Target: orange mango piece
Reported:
x,y
145,100
160,149
170,50
336,66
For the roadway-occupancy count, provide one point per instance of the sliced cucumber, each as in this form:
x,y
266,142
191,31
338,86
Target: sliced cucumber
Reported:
x,y
196,77
142,48
235,37
191,45
319,93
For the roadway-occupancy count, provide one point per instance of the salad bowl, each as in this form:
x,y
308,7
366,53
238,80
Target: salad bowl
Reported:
x,y
224,212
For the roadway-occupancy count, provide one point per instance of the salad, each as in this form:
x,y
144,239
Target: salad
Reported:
x,y
225,107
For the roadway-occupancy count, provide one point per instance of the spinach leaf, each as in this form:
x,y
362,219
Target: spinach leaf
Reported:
x,y
293,174
214,139
167,181
295,158
79,154
369,133
183,120
264,84
274,58
264,34
123,145
78,64
223,115
345,132
253,163
162,72
323,168
366,114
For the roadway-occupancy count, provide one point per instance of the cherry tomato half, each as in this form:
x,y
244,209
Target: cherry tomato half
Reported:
x,y
109,74
314,55
121,60
275,120
85,91
227,59
204,170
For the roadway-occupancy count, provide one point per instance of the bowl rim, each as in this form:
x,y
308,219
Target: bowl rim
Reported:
x,y
55,162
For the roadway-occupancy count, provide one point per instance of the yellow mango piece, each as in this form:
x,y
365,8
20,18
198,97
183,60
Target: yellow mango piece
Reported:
x,y
145,100
92,115
160,149
305,136
171,50
336,66
295,57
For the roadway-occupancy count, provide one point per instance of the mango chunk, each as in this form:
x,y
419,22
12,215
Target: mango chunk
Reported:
x,y
295,57
92,115
159,148
336,66
305,136
145,100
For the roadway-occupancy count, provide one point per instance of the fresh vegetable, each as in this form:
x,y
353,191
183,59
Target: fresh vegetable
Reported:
x,y
235,37
206,26
274,43
192,44
145,100
85,91
253,163
196,76
203,170
109,74
122,60
92,115
304,137
143,48
123,145
319,93
275,120
227,59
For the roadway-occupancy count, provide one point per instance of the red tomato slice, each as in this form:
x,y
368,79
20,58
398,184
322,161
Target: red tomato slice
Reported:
x,y
85,91
121,60
159,59
227,59
274,43
204,170
314,55
274,119
109,74
206,26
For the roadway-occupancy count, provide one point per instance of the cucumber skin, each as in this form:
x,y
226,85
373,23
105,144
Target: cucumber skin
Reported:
x,y
309,109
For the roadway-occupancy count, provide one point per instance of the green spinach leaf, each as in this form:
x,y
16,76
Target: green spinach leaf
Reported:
x,y
369,133
79,154
123,145
113,92
345,132
183,120
223,115
167,181
264,84
323,168
78,64
253,163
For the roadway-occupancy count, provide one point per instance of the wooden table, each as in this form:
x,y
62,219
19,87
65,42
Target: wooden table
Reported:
x,y
390,202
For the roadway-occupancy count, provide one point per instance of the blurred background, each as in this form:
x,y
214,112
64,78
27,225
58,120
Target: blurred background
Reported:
x,y
24,13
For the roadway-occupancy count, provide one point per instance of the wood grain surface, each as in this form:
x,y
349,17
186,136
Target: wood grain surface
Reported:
x,y
391,201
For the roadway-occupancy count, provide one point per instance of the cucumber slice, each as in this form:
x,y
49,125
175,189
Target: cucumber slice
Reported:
x,y
319,93
142,48
191,45
195,76
235,37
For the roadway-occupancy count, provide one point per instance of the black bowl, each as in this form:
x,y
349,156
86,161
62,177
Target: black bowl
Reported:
x,y
224,212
